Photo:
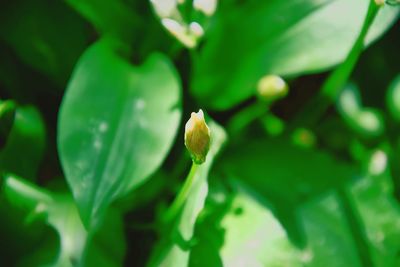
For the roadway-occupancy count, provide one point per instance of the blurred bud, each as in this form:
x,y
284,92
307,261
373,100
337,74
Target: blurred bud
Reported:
x,y
349,101
271,88
197,137
196,29
164,8
379,2
180,31
273,125
370,122
208,7
377,163
304,138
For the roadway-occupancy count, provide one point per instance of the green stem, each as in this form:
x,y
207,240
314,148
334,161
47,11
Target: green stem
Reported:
x,y
356,226
246,116
316,108
24,193
180,199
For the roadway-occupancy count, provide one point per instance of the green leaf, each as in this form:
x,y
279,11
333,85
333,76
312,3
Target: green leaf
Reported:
x,y
329,237
116,125
76,247
113,18
286,38
173,250
310,206
45,34
269,165
380,213
24,148
252,236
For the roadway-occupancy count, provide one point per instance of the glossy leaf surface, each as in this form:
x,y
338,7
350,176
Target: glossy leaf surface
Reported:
x,y
116,125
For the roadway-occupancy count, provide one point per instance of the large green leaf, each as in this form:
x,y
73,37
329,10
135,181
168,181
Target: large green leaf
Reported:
x,y
116,125
45,34
75,246
270,165
276,37
252,236
301,187
173,250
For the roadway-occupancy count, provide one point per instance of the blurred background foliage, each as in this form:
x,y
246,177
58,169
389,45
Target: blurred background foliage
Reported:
x,y
93,100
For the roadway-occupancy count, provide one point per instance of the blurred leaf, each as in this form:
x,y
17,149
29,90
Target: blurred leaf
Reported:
x,y
45,34
252,236
76,246
173,250
116,125
380,212
270,165
114,18
393,98
286,38
24,148
329,237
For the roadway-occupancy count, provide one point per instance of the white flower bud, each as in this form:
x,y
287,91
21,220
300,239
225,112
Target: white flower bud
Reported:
x,y
272,87
180,31
164,8
197,137
196,29
208,7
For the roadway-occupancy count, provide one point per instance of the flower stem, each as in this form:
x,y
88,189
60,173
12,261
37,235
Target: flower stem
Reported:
x,y
180,199
316,108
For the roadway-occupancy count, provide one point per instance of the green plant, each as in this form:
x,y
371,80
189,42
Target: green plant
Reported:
x,y
292,159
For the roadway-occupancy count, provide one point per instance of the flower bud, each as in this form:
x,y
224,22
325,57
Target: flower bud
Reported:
x,y
197,137
272,87
208,7
379,2
180,31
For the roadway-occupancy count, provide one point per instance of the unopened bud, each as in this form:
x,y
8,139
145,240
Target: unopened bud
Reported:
x,y
379,2
197,137
180,31
272,87
208,7
377,163
164,8
196,29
